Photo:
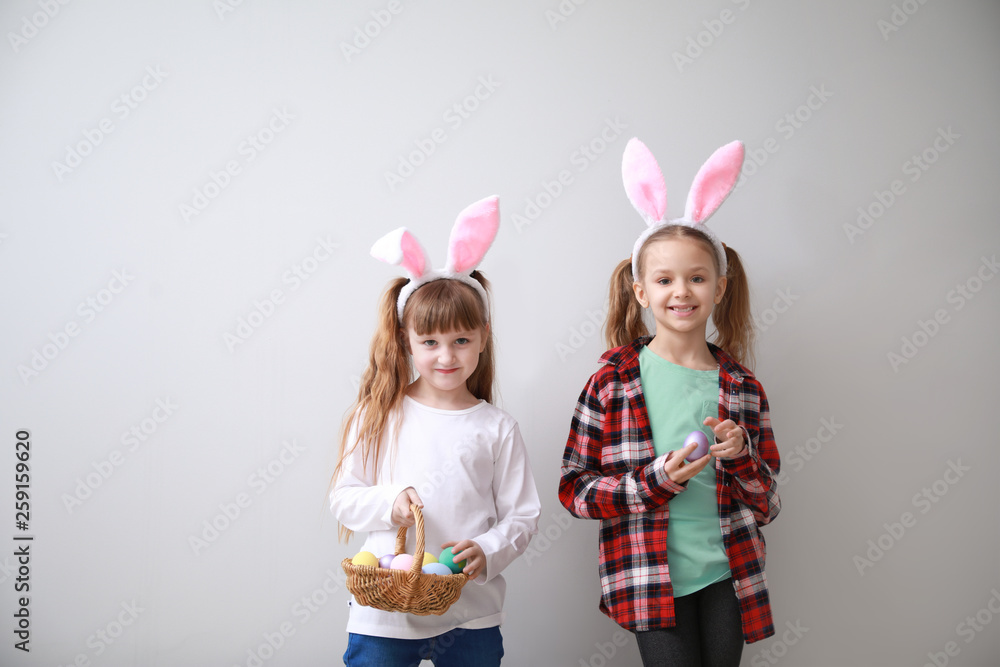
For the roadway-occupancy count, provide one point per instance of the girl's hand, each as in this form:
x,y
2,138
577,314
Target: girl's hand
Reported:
x,y
679,470
471,553
401,514
729,435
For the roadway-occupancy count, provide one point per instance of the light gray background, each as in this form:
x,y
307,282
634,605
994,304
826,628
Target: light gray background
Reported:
x,y
861,437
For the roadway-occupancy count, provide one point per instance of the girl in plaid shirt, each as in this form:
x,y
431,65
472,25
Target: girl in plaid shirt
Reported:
x,y
681,554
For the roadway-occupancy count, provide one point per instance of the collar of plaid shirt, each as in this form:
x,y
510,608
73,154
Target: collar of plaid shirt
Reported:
x,y
626,359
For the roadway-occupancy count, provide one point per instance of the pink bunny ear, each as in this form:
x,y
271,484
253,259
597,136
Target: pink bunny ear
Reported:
x,y
644,183
401,247
472,235
714,182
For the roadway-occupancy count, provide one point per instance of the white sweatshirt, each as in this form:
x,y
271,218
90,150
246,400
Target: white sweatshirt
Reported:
x,y
470,468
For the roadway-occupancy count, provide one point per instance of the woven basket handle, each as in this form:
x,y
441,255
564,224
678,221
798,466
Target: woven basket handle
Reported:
x,y
418,557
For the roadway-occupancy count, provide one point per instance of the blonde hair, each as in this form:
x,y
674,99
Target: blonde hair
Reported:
x,y
438,306
732,317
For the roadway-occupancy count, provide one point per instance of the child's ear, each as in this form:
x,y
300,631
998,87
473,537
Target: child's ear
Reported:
x,y
640,294
720,290
485,337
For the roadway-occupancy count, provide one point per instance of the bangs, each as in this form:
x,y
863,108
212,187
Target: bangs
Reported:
x,y
443,306
680,232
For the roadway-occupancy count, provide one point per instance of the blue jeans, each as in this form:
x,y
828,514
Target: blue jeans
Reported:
x,y
459,648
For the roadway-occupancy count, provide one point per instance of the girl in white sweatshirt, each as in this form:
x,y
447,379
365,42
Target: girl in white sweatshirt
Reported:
x,y
438,442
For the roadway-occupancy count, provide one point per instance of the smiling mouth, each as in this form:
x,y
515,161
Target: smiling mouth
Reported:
x,y
445,370
685,310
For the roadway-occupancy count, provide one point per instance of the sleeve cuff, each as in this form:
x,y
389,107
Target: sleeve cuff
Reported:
x,y
490,544
662,486
391,492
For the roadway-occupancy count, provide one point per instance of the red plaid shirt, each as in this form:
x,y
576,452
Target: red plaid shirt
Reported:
x,y
610,472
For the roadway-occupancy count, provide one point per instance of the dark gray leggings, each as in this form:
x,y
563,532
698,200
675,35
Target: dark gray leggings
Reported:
x,y
708,631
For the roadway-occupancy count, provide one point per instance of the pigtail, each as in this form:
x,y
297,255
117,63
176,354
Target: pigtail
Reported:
x,y
381,390
732,317
624,322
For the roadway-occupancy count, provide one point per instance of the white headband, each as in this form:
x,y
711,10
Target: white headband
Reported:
x,y
647,191
471,237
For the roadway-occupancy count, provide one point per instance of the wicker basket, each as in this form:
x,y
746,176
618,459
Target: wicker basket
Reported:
x,y
408,591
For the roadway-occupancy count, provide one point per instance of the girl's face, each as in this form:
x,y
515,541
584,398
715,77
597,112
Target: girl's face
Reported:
x,y
680,285
445,361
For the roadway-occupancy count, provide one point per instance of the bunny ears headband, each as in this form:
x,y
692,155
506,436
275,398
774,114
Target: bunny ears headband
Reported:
x,y
647,191
471,237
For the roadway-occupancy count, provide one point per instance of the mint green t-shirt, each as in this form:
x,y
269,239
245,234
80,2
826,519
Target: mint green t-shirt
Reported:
x,y
678,399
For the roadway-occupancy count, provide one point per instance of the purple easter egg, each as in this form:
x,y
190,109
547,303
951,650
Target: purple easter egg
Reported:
x,y
702,442
385,561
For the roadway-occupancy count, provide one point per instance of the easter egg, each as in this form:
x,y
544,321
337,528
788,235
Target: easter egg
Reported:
x,y
429,558
402,562
365,558
436,568
447,558
702,442
385,561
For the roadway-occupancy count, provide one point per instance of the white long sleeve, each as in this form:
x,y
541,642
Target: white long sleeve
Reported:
x,y
471,471
356,501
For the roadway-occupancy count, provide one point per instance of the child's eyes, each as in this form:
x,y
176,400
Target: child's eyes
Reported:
x,y
667,281
430,342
